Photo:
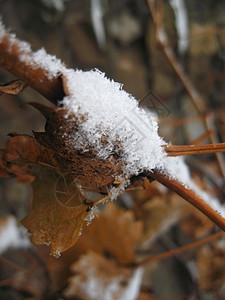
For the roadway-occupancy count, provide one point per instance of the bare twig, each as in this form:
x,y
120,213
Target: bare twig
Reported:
x,y
174,150
179,250
201,138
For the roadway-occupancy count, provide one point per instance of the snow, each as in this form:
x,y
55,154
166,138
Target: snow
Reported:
x,y
112,114
12,235
48,62
181,24
98,23
132,290
92,215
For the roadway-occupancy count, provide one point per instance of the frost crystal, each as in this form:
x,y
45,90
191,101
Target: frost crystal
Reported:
x,y
91,216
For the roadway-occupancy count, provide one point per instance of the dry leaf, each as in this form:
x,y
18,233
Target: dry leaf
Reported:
x,y
21,150
93,173
13,87
96,277
58,211
160,213
23,173
26,148
114,232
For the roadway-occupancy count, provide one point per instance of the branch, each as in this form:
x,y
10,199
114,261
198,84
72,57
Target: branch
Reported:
x,y
190,196
179,250
11,52
174,150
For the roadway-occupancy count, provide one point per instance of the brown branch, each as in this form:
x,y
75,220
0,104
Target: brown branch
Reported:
x,y
11,49
179,250
174,150
201,138
189,196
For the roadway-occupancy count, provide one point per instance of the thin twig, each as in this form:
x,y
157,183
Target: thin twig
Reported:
x,y
11,264
179,250
201,138
174,150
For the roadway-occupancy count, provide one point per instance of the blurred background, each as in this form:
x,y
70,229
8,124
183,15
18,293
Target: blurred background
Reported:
x,y
118,38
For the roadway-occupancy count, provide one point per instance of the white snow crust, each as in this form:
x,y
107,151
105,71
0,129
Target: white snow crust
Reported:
x,y
113,114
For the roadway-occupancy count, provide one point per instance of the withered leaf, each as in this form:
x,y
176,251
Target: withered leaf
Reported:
x,y
23,173
93,173
58,211
21,150
26,148
114,232
13,87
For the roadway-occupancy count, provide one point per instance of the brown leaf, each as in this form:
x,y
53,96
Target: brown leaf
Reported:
x,y
58,211
114,232
13,87
159,213
93,173
26,148
23,173
21,150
